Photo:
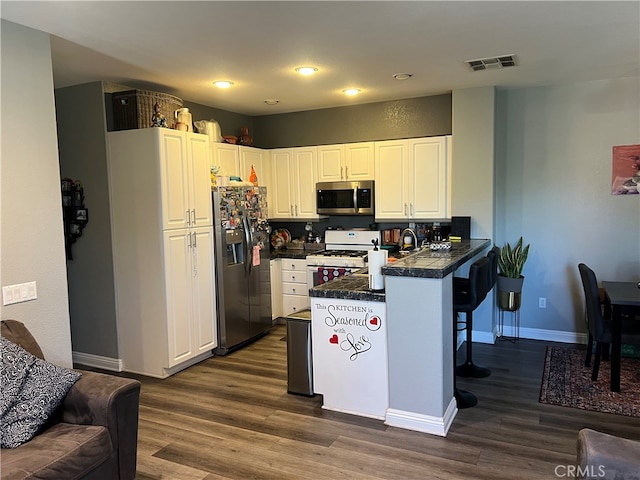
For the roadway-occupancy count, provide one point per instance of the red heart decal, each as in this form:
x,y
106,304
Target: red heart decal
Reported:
x,y
374,321
334,339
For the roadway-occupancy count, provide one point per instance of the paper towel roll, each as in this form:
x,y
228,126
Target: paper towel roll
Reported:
x,y
377,259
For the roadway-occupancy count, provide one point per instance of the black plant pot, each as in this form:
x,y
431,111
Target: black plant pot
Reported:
x,y
510,293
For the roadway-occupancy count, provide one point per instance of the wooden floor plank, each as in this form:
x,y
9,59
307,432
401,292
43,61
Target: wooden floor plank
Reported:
x,y
230,417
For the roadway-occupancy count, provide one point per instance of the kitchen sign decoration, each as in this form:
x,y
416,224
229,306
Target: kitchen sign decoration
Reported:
x,y
625,175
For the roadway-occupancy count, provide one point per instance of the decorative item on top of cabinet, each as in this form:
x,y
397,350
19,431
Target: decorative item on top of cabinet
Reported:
x,y
245,138
74,214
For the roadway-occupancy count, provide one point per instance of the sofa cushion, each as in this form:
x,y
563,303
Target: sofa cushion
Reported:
x,y
32,389
62,451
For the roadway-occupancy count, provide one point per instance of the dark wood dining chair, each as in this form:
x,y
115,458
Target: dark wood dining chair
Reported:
x,y
599,321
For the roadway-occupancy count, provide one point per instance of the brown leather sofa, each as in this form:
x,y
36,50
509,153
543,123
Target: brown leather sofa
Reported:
x,y
93,435
606,457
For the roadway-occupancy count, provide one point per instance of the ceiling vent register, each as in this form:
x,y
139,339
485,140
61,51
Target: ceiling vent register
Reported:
x,y
492,63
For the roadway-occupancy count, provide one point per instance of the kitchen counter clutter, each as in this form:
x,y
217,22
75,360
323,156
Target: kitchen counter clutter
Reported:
x,y
436,264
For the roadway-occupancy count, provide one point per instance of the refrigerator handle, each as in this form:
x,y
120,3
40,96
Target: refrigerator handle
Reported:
x,y
248,253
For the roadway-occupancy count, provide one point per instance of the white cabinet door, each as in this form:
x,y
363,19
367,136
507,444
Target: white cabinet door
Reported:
x,y
305,165
350,161
226,158
174,172
203,284
359,161
283,183
412,179
330,163
199,180
252,156
427,182
177,253
391,164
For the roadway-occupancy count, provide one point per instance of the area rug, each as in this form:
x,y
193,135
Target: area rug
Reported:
x,y
567,382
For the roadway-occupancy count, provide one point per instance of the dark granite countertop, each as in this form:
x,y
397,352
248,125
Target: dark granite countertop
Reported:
x,y
436,264
423,264
349,287
299,253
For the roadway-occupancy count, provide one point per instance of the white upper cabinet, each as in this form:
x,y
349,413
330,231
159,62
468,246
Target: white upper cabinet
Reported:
x,y
351,161
412,178
294,183
227,158
260,159
184,167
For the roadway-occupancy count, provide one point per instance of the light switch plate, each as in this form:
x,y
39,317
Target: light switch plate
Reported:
x,y
20,292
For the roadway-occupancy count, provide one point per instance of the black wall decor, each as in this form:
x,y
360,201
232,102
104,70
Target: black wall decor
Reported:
x,y
74,214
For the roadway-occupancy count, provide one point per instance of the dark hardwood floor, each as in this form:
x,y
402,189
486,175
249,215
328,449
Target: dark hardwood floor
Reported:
x,y
231,418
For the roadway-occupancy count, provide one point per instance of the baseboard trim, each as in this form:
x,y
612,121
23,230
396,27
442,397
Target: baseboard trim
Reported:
x,y
97,361
529,333
423,423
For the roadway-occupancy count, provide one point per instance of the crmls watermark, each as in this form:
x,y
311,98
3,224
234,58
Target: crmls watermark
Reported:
x,y
578,471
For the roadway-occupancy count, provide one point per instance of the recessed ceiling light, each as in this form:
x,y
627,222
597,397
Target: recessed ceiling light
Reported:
x,y
271,101
352,91
306,70
223,83
403,76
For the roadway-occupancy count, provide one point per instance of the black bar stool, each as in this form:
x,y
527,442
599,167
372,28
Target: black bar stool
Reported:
x,y
465,299
468,293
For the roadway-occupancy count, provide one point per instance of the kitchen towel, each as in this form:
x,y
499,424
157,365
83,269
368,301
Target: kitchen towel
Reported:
x,y
326,274
377,259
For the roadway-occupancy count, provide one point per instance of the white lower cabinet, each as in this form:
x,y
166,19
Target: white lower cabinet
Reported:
x,y
295,292
189,281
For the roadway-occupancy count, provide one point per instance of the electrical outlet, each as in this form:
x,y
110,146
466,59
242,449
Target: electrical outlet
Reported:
x,y
542,302
412,225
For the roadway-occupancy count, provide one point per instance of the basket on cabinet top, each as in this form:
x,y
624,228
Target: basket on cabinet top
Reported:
x,y
134,108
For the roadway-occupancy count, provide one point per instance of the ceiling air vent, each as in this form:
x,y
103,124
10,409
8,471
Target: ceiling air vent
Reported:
x,y
492,63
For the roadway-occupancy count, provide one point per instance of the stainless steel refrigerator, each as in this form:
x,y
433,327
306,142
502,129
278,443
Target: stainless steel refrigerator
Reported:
x,y
241,236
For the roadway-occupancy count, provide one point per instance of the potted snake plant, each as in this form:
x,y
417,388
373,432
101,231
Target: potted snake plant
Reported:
x,y
510,279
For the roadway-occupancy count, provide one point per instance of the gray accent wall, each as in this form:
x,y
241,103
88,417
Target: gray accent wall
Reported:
x,y
409,118
83,157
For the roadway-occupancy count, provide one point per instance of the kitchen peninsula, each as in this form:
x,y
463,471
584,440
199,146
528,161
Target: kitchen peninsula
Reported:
x,y
418,321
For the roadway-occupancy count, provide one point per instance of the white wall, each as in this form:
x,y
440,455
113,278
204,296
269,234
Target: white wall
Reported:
x,y
553,175
472,178
32,241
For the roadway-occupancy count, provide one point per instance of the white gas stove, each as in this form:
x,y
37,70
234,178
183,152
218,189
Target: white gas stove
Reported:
x,y
346,251
344,248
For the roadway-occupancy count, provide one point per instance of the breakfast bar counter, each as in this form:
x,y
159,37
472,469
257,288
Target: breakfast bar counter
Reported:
x,y
417,320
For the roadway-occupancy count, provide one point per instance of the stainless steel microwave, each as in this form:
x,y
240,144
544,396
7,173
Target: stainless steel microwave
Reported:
x,y
345,198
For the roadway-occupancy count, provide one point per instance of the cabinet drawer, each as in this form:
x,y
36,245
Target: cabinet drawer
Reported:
x,y
294,265
294,303
295,289
299,276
